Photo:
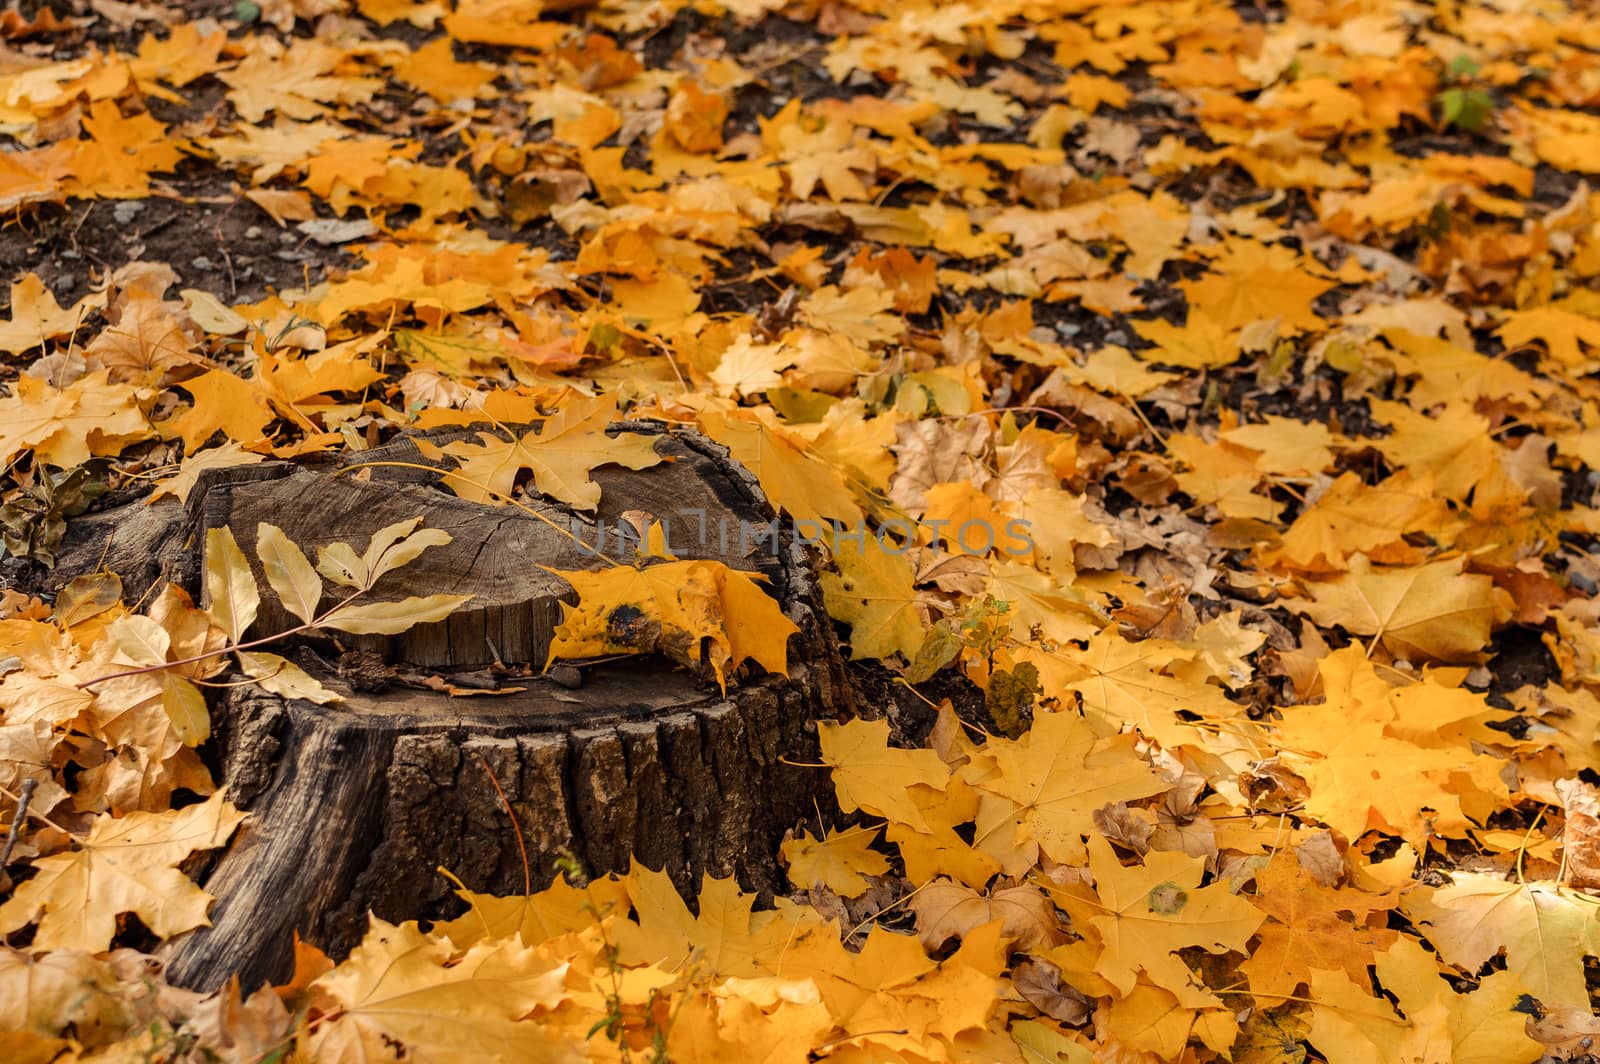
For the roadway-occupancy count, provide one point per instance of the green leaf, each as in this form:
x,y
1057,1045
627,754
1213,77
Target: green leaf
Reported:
x,y
938,649
389,618
1465,109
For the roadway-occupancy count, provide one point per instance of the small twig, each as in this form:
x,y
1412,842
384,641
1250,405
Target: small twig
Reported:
x,y
40,817
1522,850
907,896
527,876
222,246
316,622
28,787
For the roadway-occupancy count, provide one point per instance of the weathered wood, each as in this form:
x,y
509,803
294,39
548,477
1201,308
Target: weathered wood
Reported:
x,y
355,805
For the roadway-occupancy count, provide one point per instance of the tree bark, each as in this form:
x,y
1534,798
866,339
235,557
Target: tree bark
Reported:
x,y
354,806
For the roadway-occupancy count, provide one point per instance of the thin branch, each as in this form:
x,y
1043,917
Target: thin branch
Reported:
x,y
28,787
316,622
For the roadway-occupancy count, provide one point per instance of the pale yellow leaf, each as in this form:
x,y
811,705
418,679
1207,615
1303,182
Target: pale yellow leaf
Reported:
x,y
290,574
230,585
283,677
186,706
390,618
338,562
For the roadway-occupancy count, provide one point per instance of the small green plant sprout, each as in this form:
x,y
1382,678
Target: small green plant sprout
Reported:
x,y
1463,104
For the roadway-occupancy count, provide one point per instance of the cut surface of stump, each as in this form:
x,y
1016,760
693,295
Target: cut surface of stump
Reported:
x,y
355,805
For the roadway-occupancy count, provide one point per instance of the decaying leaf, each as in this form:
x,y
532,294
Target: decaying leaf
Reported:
x,y
690,611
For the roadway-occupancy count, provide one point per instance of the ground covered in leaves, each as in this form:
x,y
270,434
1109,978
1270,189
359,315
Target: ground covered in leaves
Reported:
x,y
1214,383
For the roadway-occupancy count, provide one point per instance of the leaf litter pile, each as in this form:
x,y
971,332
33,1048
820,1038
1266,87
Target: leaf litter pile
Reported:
x,y
1215,385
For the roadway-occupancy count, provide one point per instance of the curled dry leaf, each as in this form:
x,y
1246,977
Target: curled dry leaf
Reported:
x,y
948,910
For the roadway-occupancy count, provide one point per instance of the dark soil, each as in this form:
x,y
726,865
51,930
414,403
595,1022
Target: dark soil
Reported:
x,y
214,239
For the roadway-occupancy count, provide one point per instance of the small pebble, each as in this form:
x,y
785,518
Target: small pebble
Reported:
x,y
200,262
1117,336
287,238
567,676
125,210
253,233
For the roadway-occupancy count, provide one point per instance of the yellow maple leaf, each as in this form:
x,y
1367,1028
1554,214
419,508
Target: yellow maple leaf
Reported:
x,y
1153,910
1285,447
1426,612
1435,1022
694,612
729,937
1310,929
1200,343
1041,606
1545,930
125,865
873,776
503,23
223,402
875,593
403,987
1150,685
117,161
1565,333
1354,518
179,58
298,81
860,314
792,478
37,317
561,452
840,860
1251,285
433,69
1046,786
1453,445
748,368
1370,767
557,910
65,427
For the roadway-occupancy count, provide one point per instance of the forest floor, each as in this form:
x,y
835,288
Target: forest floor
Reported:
x,y
1210,389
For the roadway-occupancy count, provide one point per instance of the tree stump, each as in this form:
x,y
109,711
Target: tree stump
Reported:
x,y
356,805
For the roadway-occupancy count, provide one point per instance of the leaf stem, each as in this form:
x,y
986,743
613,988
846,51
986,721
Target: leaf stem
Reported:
x,y
22,807
317,622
